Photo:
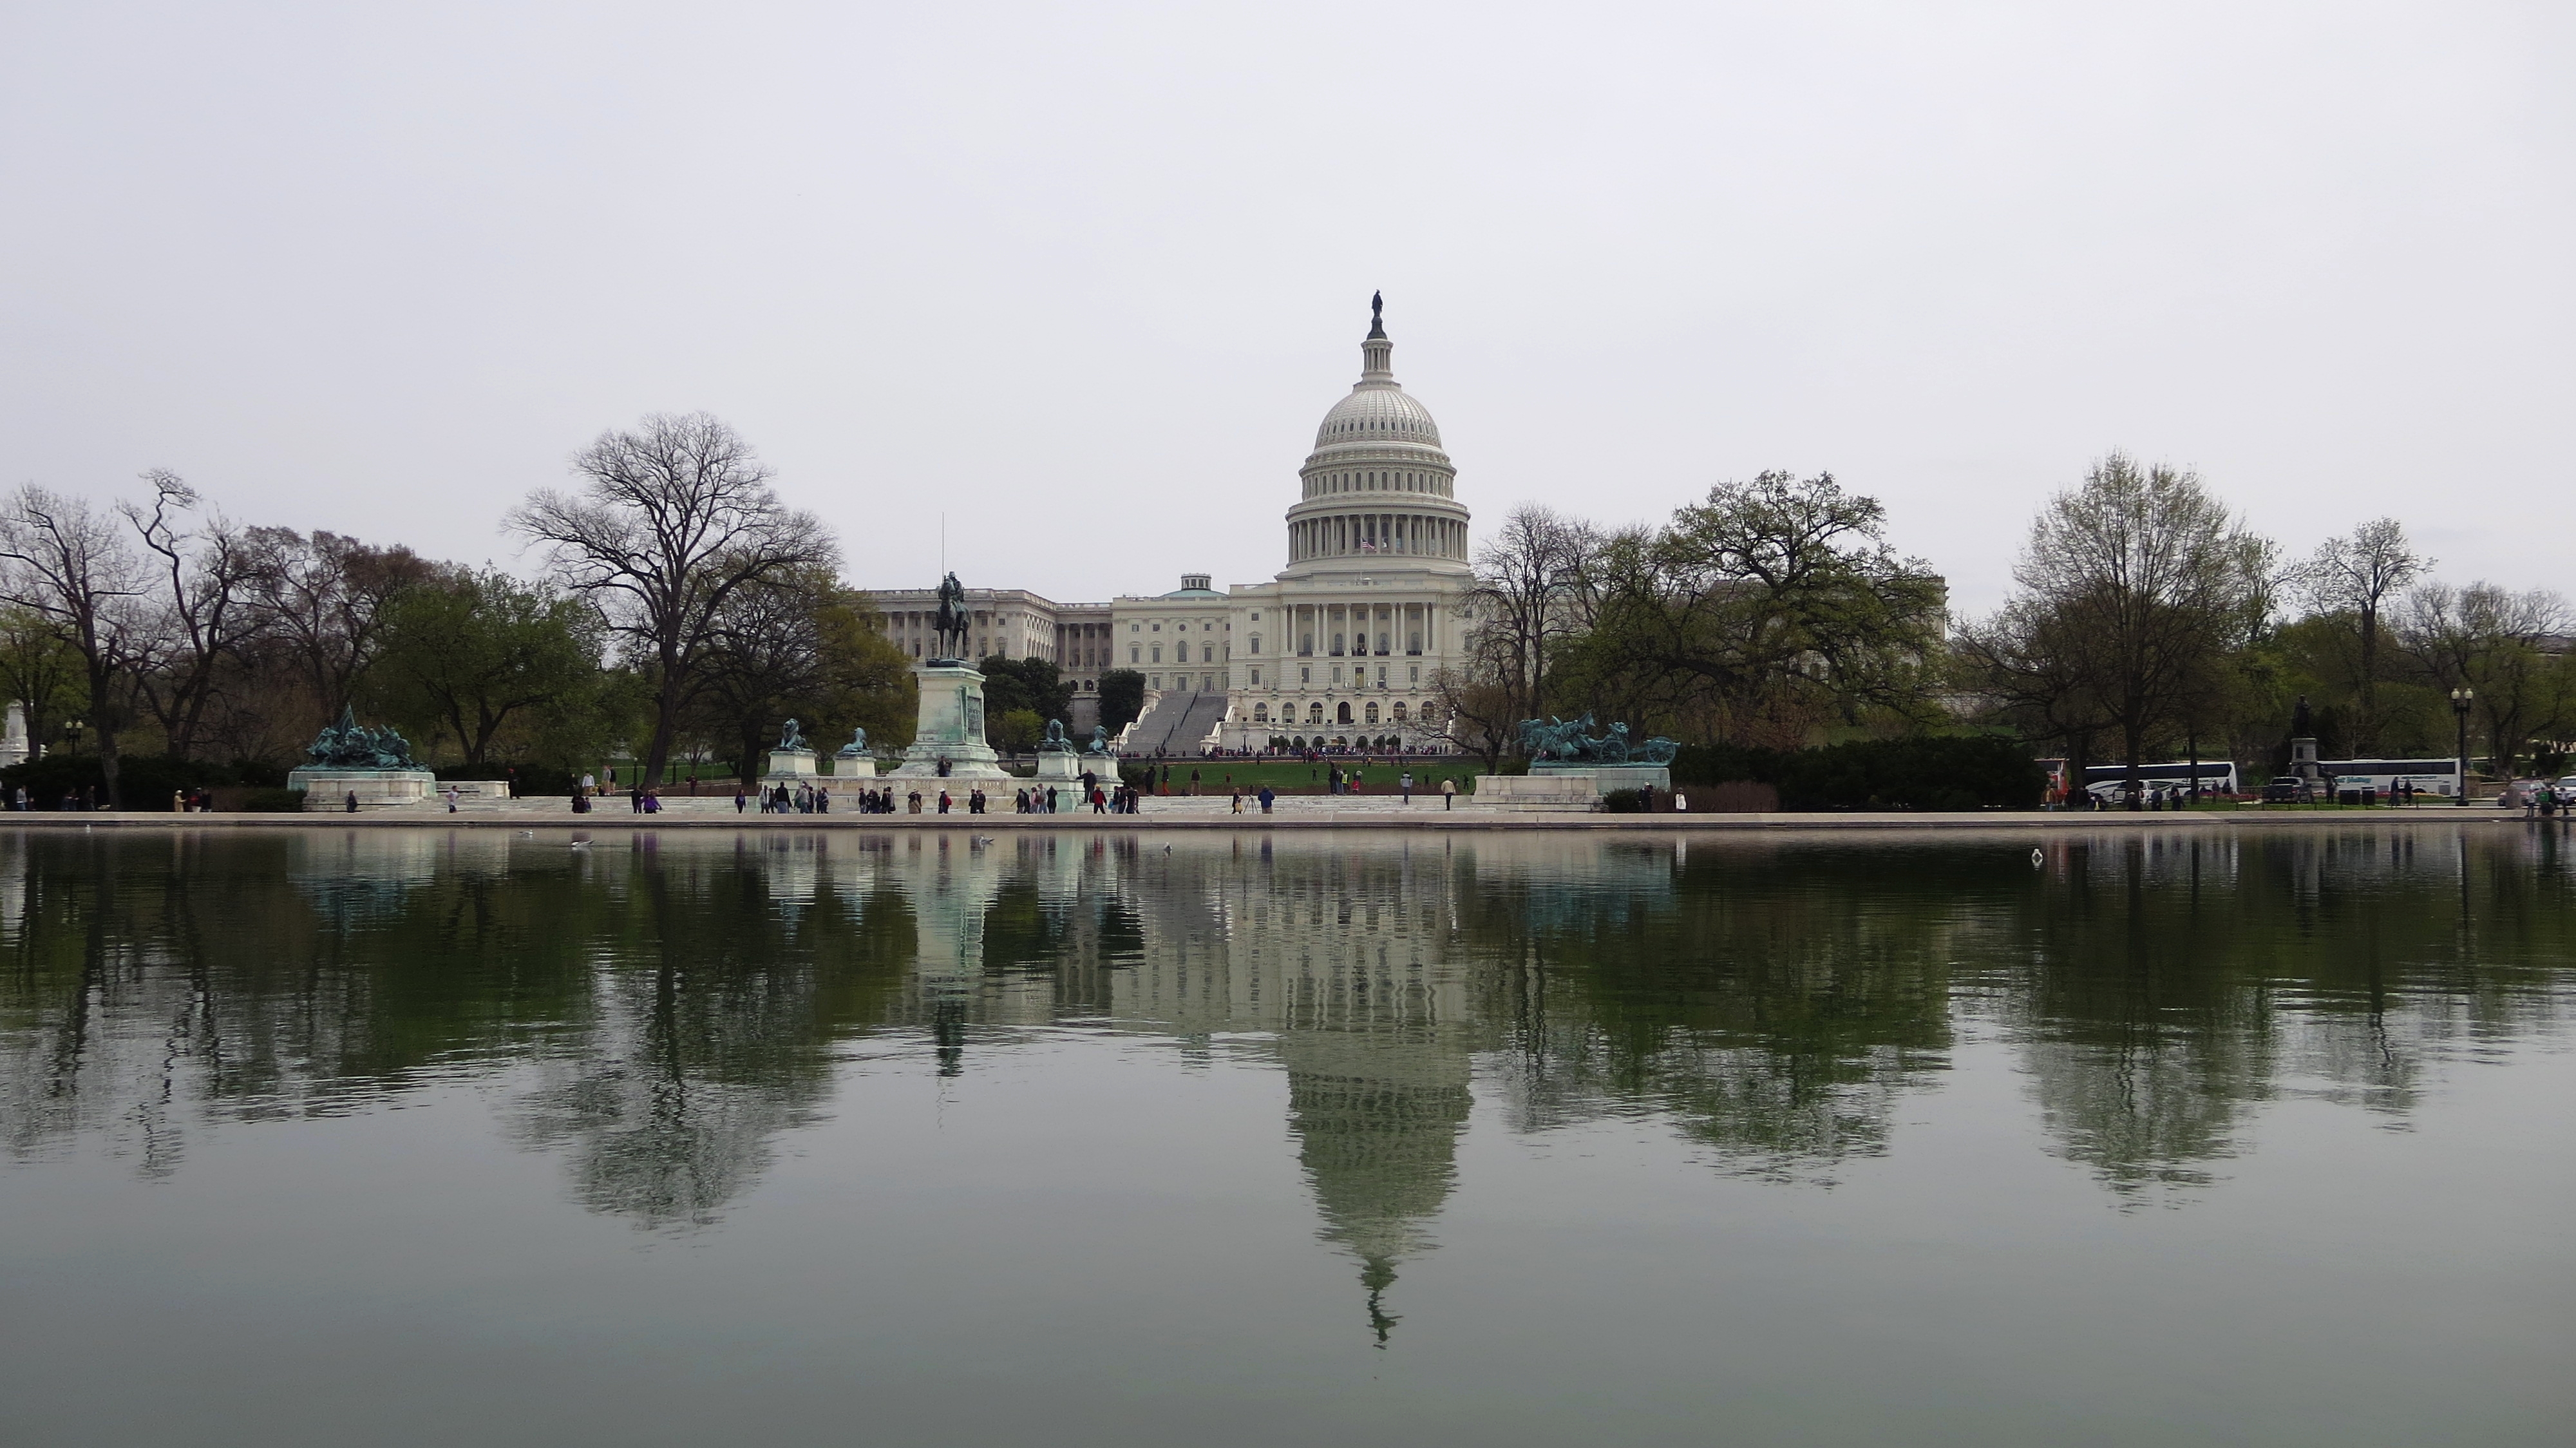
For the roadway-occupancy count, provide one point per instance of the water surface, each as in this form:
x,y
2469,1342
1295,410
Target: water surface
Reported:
x,y
330,1137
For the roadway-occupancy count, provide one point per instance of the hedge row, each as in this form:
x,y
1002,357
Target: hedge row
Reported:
x,y
1930,773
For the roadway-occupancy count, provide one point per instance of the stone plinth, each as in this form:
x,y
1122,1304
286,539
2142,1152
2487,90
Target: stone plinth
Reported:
x,y
1567,787
949,730
790,767
2303,761
329,789
1062,771
854,766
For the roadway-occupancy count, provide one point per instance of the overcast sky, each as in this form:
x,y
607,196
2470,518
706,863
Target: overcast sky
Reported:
x,y
1085,277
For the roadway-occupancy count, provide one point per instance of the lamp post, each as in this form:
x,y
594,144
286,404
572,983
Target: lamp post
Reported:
x,y
72,733
2461,698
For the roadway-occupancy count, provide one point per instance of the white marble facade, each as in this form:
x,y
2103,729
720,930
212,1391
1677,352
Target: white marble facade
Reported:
x,y
1340,646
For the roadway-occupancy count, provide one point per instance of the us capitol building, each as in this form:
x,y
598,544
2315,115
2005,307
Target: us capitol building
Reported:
x,y
1338,648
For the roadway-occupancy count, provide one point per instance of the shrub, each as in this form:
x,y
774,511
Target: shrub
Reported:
x,y
145,781
1624,801
1943,772
252,800
533,779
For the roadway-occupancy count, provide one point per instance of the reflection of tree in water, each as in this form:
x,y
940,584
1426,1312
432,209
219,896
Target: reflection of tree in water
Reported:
x,y
154,983
2171,984
1772,999
1750,995
721,990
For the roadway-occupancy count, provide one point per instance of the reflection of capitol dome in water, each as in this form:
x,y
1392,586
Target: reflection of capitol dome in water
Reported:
x,y
1377,1124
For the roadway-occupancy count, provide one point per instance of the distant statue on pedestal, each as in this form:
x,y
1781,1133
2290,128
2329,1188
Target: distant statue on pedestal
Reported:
x,y
2302,724
857,747
789,737
951,621
1055,742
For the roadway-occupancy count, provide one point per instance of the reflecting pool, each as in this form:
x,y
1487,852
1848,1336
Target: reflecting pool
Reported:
x,y
439,1137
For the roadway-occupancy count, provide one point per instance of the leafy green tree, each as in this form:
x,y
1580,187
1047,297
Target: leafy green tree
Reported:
x,y
1016,731
1122,698
1031,684
40,672
1769,609
477,651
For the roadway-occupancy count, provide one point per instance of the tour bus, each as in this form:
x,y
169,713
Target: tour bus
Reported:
x,y
2217,777
2439,777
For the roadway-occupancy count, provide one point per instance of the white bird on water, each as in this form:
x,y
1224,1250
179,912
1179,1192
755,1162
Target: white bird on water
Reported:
x,y
2037,859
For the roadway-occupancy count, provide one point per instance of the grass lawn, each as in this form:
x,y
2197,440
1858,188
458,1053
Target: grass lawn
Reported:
x,y
1287,775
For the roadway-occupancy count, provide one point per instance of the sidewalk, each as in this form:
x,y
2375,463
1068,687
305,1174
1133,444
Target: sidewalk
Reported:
x,y
1203,812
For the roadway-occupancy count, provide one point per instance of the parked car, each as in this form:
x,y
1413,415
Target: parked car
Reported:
x,y
2286,789
2520,793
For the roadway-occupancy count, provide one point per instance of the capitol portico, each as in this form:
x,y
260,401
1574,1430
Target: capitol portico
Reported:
x,y
1340,647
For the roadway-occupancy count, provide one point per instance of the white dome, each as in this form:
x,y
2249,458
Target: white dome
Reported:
x,y
1378,412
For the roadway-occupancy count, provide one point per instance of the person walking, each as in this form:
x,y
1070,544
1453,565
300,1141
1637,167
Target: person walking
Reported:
x,y
1448,793
1099,804
1238,802
452,795
1404,783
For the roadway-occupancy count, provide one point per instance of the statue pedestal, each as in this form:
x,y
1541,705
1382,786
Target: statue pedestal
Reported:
x,y
854,766
790,767
328,789
1061,771
1576,787
949,731
2303,761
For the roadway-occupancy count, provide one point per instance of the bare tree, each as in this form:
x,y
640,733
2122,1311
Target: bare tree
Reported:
x,y
2134,589
204,576
70,565
673,519
2490,640
2354,577
324,597
1473,702
1528,593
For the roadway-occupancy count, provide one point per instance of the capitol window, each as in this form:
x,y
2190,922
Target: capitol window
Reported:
x,y
1305,676
1256,643
1260,712
1135,655
1371,713
1158,653
1399,711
